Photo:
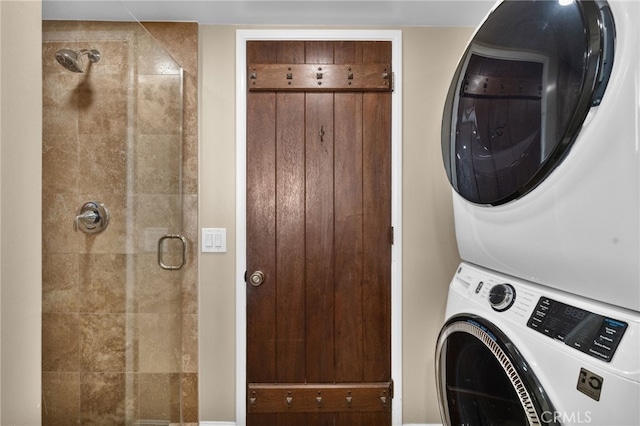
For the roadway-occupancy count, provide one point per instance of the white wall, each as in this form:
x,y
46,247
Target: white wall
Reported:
x,y
20,211
217,210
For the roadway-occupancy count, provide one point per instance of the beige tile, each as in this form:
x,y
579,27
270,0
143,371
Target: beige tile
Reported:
x,y
190,227
160,397
102,112
59,163
114,60
189,398
190,271
159,343
190,343
60,283
60,104
60,399
153,59
103,344
103,283
132,351
154,216
103,164
159,105
60,342
103,398
58,213
180,39
190,291
93,82
190,114
156,290
190,164
158,164
133,395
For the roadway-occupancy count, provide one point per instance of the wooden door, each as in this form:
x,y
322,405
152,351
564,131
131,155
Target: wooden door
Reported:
x,y
319,231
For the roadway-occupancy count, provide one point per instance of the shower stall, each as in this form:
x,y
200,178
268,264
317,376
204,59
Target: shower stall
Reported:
x,y
119,322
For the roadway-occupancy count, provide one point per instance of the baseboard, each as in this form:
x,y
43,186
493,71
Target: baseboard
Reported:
x,y
233,424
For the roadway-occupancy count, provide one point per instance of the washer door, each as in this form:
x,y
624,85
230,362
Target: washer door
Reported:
x,y
520,94
483,380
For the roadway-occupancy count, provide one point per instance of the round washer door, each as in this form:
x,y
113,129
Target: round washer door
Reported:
x,y
483,380
520,94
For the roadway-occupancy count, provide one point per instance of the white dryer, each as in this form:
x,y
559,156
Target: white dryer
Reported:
x,y
541,143
515,353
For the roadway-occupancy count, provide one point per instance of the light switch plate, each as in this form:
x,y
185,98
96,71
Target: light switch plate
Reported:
x,y
214,240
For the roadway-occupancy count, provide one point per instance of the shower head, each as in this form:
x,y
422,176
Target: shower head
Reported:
x,y
72,59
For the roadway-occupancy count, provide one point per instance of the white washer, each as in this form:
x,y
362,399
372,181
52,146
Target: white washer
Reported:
x,y
541,142
516,353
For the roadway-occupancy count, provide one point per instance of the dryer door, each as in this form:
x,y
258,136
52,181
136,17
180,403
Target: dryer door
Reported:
x,y
520,94
483,380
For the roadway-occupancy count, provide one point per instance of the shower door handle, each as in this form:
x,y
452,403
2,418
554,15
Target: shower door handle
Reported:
x,y
183,241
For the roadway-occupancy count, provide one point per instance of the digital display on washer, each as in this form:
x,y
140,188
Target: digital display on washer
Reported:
x,y
585,331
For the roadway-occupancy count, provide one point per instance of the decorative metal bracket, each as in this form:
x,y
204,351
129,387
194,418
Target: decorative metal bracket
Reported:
x,y
319,397
328,77
289,399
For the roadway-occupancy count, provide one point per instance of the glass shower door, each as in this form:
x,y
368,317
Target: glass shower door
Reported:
x,y
158,242
113,341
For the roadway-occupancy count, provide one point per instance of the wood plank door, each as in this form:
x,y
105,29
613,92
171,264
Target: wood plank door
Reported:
x,y
319,233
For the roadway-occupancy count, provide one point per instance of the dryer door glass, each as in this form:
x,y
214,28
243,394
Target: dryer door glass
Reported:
x,y
521,93
483,380
478,390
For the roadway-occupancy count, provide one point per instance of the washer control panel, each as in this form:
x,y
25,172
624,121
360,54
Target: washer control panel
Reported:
x,y
593,334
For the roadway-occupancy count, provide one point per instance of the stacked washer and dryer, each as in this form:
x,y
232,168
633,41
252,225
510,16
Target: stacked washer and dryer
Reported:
x,y
541,144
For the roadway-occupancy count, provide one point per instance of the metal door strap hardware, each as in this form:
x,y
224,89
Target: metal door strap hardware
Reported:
x,y
328,77
310,397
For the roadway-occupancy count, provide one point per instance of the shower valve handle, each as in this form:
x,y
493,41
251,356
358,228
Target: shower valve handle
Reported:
x,y
87,218
91,218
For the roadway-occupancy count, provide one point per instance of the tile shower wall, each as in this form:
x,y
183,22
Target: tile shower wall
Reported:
x,y
119,333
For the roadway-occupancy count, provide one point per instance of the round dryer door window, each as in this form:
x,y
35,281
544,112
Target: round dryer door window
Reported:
x,y
483,380
520,94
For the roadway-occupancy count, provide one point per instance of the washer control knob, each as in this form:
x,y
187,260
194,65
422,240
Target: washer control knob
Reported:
x,y
502,296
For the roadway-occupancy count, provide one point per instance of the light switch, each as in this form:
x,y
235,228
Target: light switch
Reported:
x,y
214,240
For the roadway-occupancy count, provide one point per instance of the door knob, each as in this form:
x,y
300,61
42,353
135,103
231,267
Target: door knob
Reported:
x,y
256,278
